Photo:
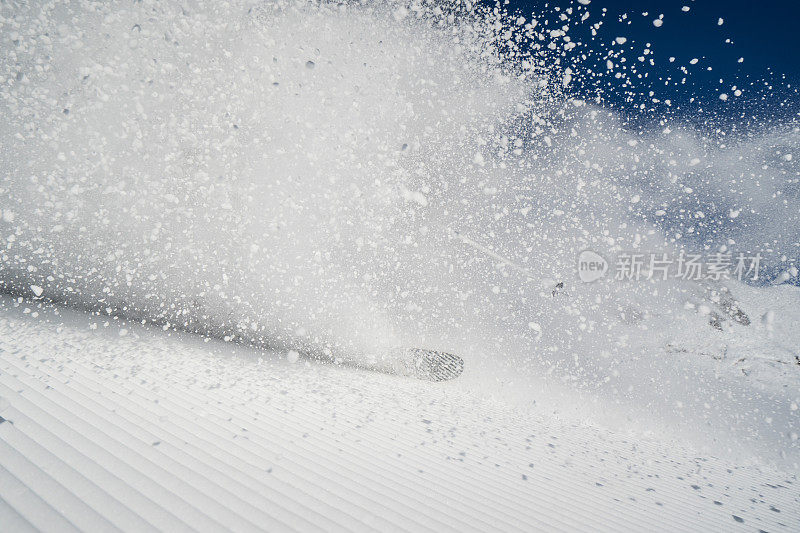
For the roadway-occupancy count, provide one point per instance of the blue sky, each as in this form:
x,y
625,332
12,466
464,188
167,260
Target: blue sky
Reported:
x,y
765,33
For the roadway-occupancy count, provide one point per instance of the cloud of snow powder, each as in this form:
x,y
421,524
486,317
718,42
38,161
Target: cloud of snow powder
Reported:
x,y
328,178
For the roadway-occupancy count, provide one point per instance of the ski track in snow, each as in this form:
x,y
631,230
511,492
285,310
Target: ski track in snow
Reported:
x,y
128,427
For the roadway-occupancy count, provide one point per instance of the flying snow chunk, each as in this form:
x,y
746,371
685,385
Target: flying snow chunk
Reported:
x,y
400,13
723,97
720,22
659,21
414,196
537,328
783,277
768,319
567,79
292,356
621,40
685,9
37,290
584,2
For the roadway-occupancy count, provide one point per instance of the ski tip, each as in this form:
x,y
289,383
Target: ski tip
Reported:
x,y
433,365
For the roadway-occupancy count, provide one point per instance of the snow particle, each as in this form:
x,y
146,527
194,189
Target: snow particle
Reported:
x,y
292,356
567,79
37,290
537,328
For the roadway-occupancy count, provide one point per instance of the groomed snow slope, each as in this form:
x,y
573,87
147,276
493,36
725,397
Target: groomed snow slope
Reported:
x,y
109,426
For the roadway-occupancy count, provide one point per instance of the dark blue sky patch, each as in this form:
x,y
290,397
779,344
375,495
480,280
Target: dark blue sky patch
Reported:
x,y
739,50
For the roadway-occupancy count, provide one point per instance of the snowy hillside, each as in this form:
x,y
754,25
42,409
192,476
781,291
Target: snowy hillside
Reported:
x,y
221,222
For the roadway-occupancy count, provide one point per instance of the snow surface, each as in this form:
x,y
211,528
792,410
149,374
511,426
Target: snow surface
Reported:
x,y
331,182
162,431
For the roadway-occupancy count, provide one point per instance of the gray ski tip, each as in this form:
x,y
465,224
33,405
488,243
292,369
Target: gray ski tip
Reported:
x,y
432,365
